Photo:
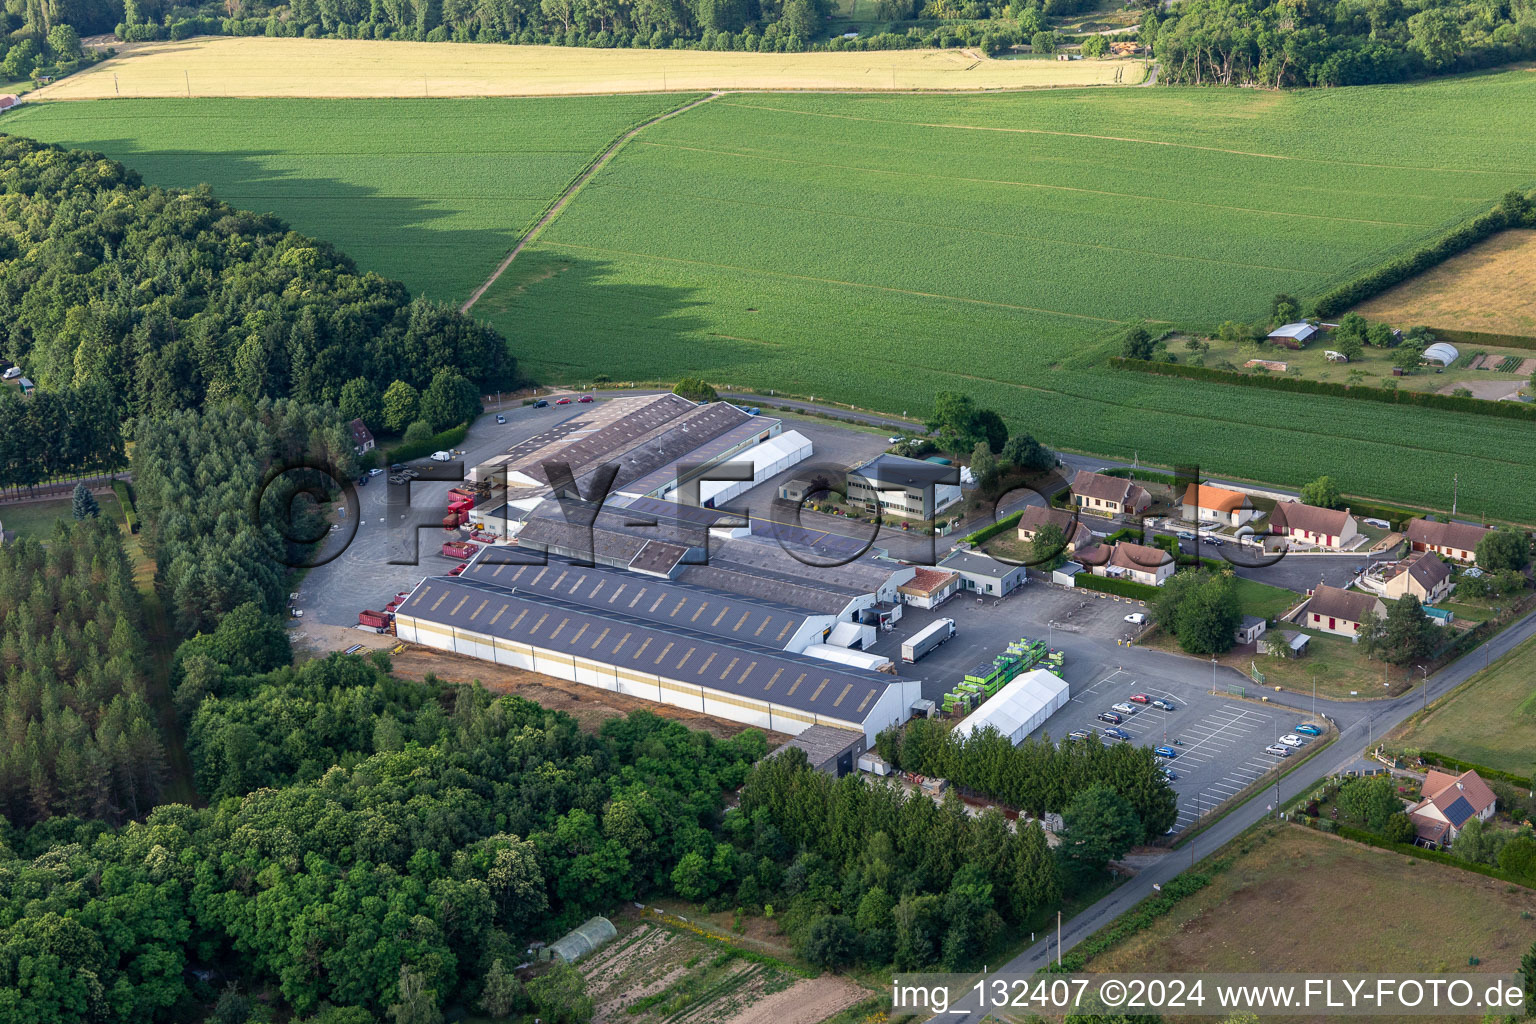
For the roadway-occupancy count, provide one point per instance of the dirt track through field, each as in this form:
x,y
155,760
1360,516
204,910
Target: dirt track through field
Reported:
x,y
570,193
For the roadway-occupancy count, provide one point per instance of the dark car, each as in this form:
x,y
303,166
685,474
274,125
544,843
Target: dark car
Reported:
x,y
396,467
1163,705
1167,752
541,404
1119,734
1111,717
362,481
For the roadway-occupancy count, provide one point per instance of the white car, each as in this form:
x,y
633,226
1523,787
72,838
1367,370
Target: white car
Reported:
x,y
1290,739
895,439
1124,708
375,471
1136,618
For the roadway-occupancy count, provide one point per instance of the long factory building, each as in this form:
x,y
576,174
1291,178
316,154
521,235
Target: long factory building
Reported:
x,y
718,654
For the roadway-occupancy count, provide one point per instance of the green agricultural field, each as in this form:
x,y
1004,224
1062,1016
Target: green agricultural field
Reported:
x,y
878,249
433,192
1491,721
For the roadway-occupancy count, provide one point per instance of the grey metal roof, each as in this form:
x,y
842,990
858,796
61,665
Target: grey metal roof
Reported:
x,y
659,601
804,593
821,743
710,450
1300,330
978,564
887,470
658,449
791,681
596,436
864,574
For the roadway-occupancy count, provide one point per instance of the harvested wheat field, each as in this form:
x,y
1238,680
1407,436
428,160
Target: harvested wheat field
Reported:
x,y
654,973
354,68
590,706
1490,288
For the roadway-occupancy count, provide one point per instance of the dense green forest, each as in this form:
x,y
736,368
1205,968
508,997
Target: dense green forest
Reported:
x,y
1279,43
79,734
121,300
196,475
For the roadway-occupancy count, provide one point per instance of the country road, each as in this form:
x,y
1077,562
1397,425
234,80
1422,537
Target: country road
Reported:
x,y
1358,722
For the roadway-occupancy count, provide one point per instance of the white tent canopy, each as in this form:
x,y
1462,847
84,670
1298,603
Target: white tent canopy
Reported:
x,y
1441,352
768,459
1020,707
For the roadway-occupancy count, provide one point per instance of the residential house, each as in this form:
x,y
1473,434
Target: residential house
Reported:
x,y
1341,611
929,588
1109,495
1423,575
1135,562
905,487
1206,504
362,437
1456,541
1310,524
1447,803
1294,335
1035,516
984,574
1250,629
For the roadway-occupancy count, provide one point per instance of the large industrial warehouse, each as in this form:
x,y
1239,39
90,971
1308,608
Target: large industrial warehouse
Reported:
x,y
679,665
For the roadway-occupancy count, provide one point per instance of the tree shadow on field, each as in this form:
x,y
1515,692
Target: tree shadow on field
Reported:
x,y
571,317
386,234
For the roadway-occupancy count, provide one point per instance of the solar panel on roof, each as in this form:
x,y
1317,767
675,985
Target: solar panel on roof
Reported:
x,y
1459,811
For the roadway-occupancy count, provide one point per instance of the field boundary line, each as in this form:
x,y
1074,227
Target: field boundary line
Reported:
x,y
1015,235
565,197
833,280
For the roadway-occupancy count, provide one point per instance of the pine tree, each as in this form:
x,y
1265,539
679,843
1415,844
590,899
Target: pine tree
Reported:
x,y
83,504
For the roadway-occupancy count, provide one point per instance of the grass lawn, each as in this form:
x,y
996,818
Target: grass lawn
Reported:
x,y
1297,900
1339,667
36,518
1263,600
1489,721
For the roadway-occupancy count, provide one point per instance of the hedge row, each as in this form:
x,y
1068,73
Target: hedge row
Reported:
x,y
1457,764
125,501
447,440
1124,588
1400,268
1142,918
1361,835
1479,338
986,533
1302,385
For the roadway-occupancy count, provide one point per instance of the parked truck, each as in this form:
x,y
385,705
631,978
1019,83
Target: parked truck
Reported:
x,y
378,620
459,549
935,633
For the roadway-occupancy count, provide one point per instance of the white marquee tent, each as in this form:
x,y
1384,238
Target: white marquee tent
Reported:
x,y
770,458
1020,707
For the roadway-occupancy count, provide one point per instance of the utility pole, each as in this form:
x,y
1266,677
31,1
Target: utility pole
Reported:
x,y
1455,489
1058,938
115,90
1426,686
1314,694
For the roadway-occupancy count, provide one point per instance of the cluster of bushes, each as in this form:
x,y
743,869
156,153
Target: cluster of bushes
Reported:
x,y
125,501
986,533
1479,338
1514,210
446,440
1303,385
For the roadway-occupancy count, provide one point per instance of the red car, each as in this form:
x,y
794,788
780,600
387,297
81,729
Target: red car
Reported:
x,y
584,398
562,401
1140,698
